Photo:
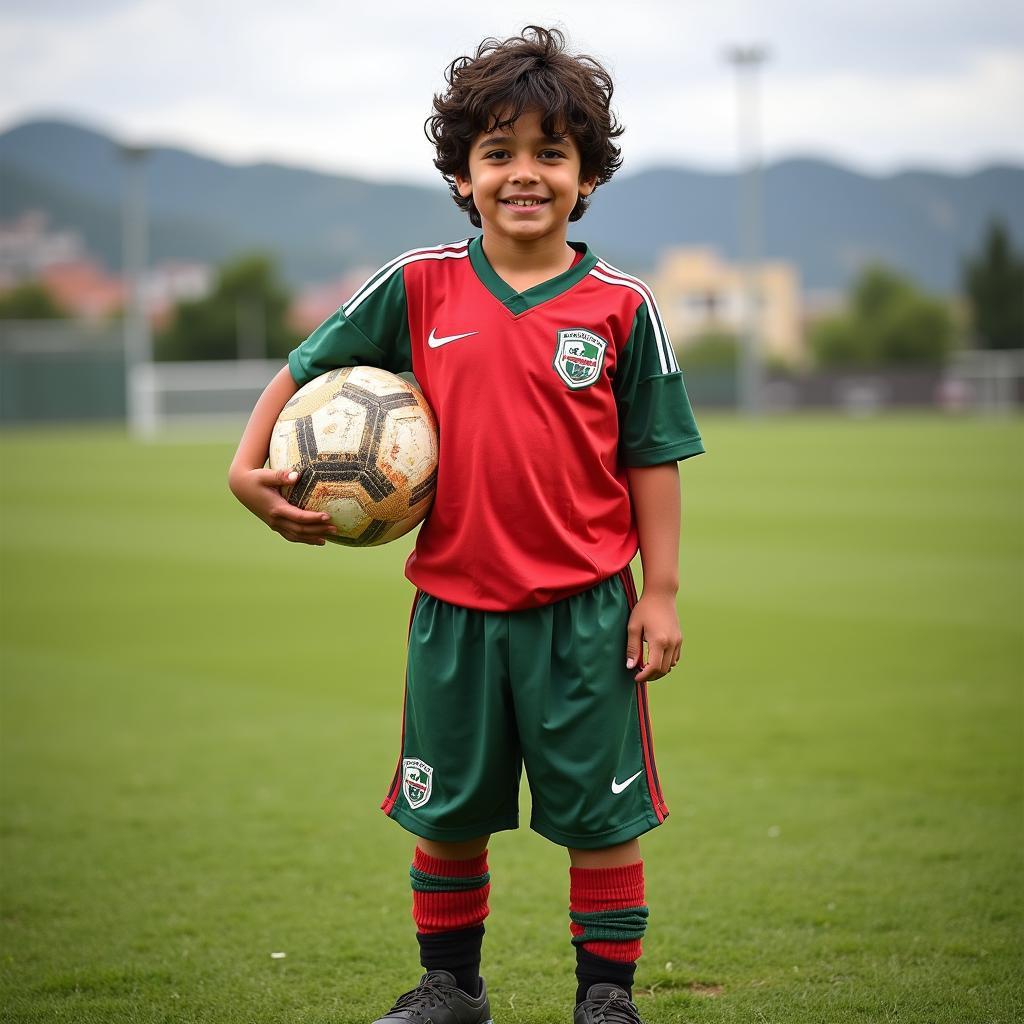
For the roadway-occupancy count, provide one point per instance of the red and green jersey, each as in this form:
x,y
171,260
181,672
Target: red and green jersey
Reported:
x,y
542,398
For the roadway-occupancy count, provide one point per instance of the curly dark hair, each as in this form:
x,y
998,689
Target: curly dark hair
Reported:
x,y
531,71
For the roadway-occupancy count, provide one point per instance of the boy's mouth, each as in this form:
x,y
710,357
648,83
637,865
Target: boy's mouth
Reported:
x,y
524,202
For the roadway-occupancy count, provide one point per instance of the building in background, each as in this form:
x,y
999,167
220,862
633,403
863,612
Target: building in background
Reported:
x,y
84,289
167,284
699,293
27,248
79,283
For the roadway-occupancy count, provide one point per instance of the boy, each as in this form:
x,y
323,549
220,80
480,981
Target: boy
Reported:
x,y
562,416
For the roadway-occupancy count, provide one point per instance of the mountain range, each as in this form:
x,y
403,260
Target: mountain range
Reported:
x,y
827,219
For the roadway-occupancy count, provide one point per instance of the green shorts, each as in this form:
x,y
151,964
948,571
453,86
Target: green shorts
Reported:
x,y
487,692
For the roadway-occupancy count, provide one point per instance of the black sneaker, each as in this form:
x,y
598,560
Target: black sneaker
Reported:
x,y
606,1004
438,1000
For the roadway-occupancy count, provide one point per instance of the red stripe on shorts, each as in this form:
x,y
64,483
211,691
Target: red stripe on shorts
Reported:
x,y
647,742
396,781
644,718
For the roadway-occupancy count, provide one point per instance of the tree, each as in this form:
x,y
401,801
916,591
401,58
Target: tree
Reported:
x,y
994,283
244,315
890,322
715,350
31,301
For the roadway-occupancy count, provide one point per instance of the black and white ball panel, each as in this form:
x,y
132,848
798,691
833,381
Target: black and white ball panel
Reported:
x,y
364,443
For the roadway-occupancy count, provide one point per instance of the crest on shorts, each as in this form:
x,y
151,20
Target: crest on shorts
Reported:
x,y
579,356
417,780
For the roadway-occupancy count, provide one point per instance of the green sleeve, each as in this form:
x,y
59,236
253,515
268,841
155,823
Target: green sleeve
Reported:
x,y
656,422
371,329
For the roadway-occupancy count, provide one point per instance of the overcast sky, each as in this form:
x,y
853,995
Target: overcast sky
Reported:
x,y
346,86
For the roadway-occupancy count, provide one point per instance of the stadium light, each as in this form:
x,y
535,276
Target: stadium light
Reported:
x,y
747,60
138,343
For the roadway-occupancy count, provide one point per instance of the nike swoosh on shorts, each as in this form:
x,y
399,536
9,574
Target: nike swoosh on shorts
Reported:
x,y
618,787
435,342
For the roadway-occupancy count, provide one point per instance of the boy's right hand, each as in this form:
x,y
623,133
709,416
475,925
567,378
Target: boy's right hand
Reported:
x,y
259,491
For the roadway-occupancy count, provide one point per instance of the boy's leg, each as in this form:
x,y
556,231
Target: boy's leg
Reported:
x,y
450,886
456,782
608,915
586,737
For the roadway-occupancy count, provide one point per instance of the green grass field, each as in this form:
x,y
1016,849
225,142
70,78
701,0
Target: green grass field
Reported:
x,y
199,722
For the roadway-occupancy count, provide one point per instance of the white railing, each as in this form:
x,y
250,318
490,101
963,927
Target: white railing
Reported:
x,y
986,380
195,394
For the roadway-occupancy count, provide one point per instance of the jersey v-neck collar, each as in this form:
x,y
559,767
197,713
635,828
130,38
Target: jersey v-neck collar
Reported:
x,y
520,302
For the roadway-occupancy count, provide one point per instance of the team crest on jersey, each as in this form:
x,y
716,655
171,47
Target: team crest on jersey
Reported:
x,y
579,357
417,779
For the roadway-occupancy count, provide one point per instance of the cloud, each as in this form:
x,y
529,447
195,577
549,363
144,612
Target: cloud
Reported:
x,y
347,87
953,119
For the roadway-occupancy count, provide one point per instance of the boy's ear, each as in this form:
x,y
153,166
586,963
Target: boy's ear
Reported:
x,y
587,185
464,185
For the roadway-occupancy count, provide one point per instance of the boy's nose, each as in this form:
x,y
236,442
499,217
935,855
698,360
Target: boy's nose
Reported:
x,y
523,171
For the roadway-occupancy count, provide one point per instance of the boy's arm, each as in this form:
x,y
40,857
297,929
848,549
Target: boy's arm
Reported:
x,y
656,429
258,488
655,493
371,329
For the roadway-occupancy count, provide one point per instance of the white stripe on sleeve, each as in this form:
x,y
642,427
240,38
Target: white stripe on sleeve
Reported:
x,y
380,276
650,313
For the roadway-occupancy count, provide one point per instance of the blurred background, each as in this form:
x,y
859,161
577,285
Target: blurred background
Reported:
x,y
830,209
197,720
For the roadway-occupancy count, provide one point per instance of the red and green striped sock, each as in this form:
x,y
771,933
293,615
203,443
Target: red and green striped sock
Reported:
x,y
449,904
608,918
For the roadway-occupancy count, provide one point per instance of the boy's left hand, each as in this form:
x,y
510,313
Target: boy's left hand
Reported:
x,y
653,620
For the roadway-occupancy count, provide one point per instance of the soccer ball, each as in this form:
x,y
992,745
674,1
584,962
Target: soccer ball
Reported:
x,y
364,443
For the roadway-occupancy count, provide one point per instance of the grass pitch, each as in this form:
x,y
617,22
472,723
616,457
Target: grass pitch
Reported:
x,y
199,721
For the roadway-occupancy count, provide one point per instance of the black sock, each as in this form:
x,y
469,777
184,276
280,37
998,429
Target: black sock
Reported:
x,y
590,970
457,952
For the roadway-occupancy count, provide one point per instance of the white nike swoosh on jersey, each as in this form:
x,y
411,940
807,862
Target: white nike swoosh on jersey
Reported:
x,y
618,787
435,342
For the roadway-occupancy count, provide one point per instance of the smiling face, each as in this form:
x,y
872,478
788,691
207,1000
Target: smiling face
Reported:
x,y
524,183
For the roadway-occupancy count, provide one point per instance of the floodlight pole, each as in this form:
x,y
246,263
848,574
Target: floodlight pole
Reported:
x,y
750,382
138,342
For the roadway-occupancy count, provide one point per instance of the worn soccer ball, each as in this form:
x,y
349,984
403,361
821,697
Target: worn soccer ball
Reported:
x,y
364,443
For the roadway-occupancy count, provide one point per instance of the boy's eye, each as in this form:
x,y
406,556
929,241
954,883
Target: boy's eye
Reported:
x,y
545,154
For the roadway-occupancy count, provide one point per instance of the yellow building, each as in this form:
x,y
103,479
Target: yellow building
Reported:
x,y
699,293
